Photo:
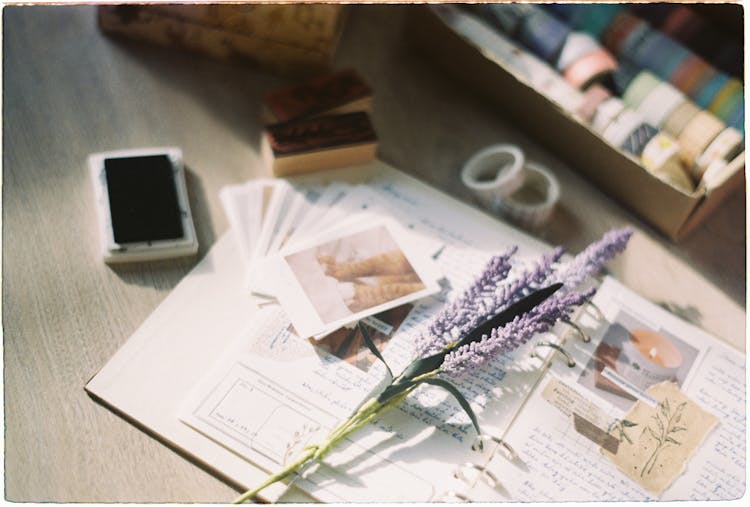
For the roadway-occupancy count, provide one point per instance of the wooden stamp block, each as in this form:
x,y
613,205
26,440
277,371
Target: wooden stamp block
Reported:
x,y
323,142
341,92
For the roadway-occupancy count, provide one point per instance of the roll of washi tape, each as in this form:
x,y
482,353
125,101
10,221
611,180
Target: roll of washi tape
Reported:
x,y
643,84
737,118
724,95
666,59
577,11
706,94
637,140
589,68
624,75
561,11
532,204
619,29
660,54
508,16
592,97
660,103
620,129
577,45
633,39
683,24
661,157
727,107
679,118
494,172
696,136
595,18
641,53
543,34
727,145
606,114
693,73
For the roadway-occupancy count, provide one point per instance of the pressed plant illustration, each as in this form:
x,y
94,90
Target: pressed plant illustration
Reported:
x,y
620,425
663,431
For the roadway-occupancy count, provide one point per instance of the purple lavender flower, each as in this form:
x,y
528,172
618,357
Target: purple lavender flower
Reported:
x,y
514,334
464,310
478,303
591,260
490,294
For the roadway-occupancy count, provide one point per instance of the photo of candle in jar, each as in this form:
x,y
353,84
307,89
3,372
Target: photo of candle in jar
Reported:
x,y
649,358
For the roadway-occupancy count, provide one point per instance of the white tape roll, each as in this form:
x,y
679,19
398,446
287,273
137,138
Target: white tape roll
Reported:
x,y
619,130
660,103
577,45
661,157
532,204
726,146
606,113
494,172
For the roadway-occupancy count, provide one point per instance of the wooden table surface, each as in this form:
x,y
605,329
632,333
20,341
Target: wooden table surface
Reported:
x,y
69,91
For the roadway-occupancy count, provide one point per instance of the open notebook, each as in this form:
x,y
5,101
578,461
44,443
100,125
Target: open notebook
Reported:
x,y
229,385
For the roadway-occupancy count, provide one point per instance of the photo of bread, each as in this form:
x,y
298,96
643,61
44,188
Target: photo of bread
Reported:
x,y
354,273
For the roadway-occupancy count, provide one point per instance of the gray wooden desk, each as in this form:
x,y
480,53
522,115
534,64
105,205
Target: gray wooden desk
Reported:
x,y
69,91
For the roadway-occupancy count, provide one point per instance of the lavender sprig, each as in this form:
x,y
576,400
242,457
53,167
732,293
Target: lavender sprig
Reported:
x,y
572,274
490,294
591,260
462,311
514,334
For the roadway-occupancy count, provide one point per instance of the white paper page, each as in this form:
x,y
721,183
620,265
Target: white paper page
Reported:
x,y
358,199
237,200
265,189
274,215
330,195
556,463
301,204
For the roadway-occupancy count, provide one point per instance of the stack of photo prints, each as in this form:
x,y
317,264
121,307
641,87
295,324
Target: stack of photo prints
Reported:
x,y
330,255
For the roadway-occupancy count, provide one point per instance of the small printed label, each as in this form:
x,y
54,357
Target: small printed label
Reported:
x,y
378,325
569,401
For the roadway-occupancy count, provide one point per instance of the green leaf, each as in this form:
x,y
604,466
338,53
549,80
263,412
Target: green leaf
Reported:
x,y
653,433
459,397
677,428
628,424
672,441
371,345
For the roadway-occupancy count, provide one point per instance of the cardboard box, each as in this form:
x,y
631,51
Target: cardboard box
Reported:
x,y
292,40
667,208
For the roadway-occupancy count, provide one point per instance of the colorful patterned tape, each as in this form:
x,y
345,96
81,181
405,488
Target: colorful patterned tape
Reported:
x,y
663,84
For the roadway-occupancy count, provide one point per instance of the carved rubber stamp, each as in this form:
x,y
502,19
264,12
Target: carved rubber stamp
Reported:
x,y
313,144
341,92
